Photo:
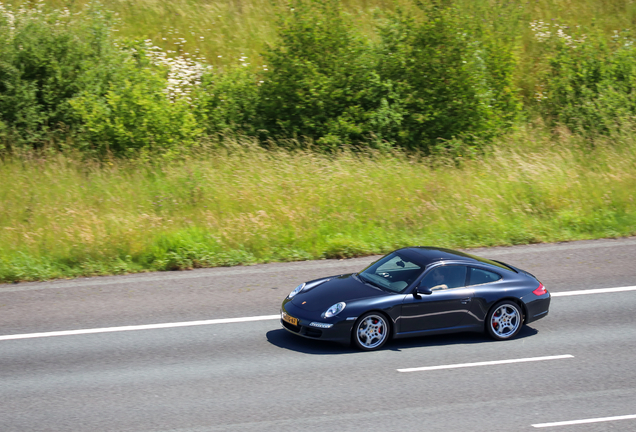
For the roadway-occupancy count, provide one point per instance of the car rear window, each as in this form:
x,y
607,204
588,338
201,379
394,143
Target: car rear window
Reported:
x,y
481,276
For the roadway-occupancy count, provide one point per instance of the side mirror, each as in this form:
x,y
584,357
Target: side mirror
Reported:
x,y
422,290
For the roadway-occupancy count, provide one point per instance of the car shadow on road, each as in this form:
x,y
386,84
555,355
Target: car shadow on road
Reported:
x,y
283,339
452,339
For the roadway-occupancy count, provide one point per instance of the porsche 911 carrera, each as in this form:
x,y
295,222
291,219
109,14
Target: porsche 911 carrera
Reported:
x,y
416,291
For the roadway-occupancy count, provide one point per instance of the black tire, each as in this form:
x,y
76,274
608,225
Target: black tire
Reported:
x,y
371,331
504,320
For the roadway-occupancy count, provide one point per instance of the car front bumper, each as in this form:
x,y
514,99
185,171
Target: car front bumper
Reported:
x,y
340,331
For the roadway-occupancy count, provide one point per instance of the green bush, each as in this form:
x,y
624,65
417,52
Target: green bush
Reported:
x,y
134,115
424,81
64,79
322,84
432,79
227,101
590,85
450,82
46,58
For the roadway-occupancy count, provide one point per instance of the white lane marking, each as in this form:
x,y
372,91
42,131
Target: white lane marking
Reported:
x,y
242,319
593,291
139,327
575,422
488,363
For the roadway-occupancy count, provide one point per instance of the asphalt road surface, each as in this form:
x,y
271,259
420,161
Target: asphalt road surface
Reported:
x,y
127,355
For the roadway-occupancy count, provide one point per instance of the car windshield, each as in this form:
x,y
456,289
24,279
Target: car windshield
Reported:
x,y
393,273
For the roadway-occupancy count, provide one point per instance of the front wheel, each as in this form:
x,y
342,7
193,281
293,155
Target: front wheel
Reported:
x,y
371,331
504,320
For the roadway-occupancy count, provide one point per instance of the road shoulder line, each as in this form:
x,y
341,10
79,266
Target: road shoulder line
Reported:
x,y
576,422
238,320
593,291
139,327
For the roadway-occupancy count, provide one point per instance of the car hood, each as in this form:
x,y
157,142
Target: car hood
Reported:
x,y
339,289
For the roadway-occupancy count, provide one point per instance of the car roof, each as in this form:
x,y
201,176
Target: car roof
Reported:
x,y
429,255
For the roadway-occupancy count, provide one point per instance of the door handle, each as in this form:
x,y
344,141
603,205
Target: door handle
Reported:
x,y
465,300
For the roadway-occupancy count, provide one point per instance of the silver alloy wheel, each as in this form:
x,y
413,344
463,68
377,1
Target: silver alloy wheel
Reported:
x,y
371,331
505,321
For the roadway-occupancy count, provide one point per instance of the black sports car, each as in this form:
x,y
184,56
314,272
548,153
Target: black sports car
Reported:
x,y
416,291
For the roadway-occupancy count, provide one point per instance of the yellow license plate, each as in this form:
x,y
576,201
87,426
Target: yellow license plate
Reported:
x,y
290,319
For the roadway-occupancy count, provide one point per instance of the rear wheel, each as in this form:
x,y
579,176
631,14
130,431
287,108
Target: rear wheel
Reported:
x,y
371,331
504,320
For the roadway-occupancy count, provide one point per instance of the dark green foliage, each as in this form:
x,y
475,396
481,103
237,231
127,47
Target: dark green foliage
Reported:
x,y
323,85
439,79
450,83
133,115
228,100
64,80
46,58
425,80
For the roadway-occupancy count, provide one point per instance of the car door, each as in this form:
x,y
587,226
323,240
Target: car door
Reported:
x,y
446,307
482,281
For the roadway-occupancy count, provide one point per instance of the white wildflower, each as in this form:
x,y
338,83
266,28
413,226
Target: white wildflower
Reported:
x,y
544,31
184,71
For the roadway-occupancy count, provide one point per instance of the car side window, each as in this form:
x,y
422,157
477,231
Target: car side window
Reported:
x,y
480,276
445,277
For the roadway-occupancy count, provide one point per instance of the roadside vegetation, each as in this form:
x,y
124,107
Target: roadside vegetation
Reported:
x,y
172,135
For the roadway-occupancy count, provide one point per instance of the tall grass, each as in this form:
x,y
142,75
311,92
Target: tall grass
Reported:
x,y
223,31
226,30
62,217
66,215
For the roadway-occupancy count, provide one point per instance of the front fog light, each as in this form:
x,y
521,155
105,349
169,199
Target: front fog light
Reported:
x,y
335,309
321,325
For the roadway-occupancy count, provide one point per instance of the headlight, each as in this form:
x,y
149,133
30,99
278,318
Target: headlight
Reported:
x,y
306,286
296,290
335,310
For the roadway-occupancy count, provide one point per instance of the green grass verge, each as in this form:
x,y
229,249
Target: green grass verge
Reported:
x,y
62,217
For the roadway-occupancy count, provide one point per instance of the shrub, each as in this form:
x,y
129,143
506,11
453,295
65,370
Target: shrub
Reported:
x,y
450,82
227,101
591,80
137,111
134,114
426,80
65,79
322,83
46,58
